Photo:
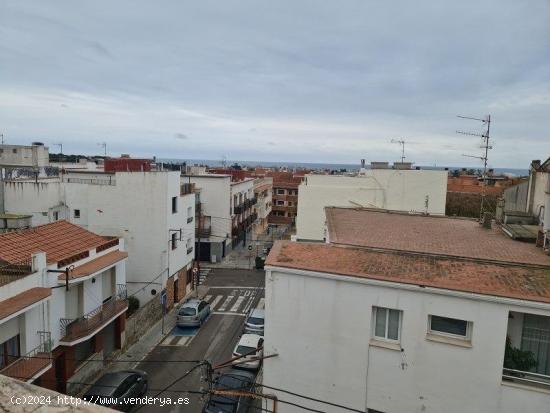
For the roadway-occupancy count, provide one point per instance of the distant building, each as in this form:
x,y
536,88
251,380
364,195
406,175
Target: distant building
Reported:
x,y
226,214
21,156
411,190
403,313
285,197
127,164
53,322
263,193
149,210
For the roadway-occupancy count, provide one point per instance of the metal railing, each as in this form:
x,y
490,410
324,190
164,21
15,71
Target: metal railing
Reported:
x,y
187,189
526,377
13,271
95,318
28,365
238,209
91,181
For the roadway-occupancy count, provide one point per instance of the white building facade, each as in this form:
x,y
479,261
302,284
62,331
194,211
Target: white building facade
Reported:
x,y
226,214
422,191
148,210
357,338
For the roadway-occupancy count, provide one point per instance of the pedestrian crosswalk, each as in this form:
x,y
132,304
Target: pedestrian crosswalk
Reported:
x,y
238,301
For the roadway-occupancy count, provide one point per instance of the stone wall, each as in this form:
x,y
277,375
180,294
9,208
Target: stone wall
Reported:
x,y
142,320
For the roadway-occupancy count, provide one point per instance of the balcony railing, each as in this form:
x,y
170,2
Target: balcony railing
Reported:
x,y
29,366
238,209
72,329
527,378
203,232
13,271
92,181
187,189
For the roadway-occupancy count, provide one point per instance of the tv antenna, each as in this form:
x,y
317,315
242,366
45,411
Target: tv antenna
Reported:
x,y
402,143
2,137
224,161
104,146
485,157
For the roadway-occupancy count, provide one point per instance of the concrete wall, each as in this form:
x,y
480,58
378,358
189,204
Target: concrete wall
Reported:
x,y
403,190
539,186
515,197
24,156
321,329
215,195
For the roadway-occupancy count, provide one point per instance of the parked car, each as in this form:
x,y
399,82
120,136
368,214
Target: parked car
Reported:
x,y
255,321
112,388
251,344
192,313
231,380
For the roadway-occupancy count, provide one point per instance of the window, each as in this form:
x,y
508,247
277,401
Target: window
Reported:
x,y
452,327
14,150
56,216
279,202
76,213
387,324
174,204
280,191
174,240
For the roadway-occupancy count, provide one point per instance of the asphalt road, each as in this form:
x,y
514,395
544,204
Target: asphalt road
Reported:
x,y
231,293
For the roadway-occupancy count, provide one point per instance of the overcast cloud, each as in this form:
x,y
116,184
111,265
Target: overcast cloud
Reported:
x,y
312,81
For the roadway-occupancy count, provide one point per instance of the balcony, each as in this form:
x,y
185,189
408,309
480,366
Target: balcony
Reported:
x,y
90,323
254,201
239,209
34,363
203,232
186,189
527,351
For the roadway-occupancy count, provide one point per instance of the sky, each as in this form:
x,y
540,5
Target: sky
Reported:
x,y
287,80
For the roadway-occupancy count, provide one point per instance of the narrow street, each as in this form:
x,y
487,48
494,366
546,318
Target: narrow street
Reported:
x,y
231,294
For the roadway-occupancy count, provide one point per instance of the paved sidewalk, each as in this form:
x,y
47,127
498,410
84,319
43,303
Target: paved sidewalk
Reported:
x,y
139,350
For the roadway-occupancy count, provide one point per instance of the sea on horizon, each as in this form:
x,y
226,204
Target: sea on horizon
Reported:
x,y
326,166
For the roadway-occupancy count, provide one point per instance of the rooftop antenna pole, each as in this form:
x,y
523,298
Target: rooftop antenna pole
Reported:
x,y
104,146
2,136
485,157
402,143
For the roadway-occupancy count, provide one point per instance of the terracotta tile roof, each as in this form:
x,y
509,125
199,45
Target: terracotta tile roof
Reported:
x,y
58,240
501,280
95,265
427,234
20,301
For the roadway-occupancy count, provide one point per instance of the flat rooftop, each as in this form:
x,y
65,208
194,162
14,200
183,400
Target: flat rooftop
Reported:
x,y
433,235
516,281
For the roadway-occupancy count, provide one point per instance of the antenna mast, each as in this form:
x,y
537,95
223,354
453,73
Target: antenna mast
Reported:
x,y
402,143
485,157
104,146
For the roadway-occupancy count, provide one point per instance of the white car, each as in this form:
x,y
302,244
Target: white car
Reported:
x,y
251,344
255,321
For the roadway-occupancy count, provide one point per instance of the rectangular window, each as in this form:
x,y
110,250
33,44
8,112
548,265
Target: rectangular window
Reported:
x,y
174,204
77,213
174,240
280,191
452,327
387,324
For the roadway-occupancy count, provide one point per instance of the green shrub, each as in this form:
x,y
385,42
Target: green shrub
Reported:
x,y
133,305
517,359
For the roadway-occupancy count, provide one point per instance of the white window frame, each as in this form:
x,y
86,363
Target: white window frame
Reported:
x,y
467,337
399,324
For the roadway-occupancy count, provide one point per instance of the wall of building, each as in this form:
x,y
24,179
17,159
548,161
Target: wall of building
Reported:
x,y
215,195
333,358
135,206
540,184
24,156
402,190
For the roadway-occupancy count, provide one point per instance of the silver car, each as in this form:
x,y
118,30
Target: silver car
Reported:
x,y
255,321
192,313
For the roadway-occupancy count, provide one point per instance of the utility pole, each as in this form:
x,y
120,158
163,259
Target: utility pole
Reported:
x,y
485,157
104,146
2,137
402,143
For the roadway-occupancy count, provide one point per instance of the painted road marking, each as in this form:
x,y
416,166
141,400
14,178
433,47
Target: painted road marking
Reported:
x,y
214,303
207,298
226,313
249,305
226,303
237,304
